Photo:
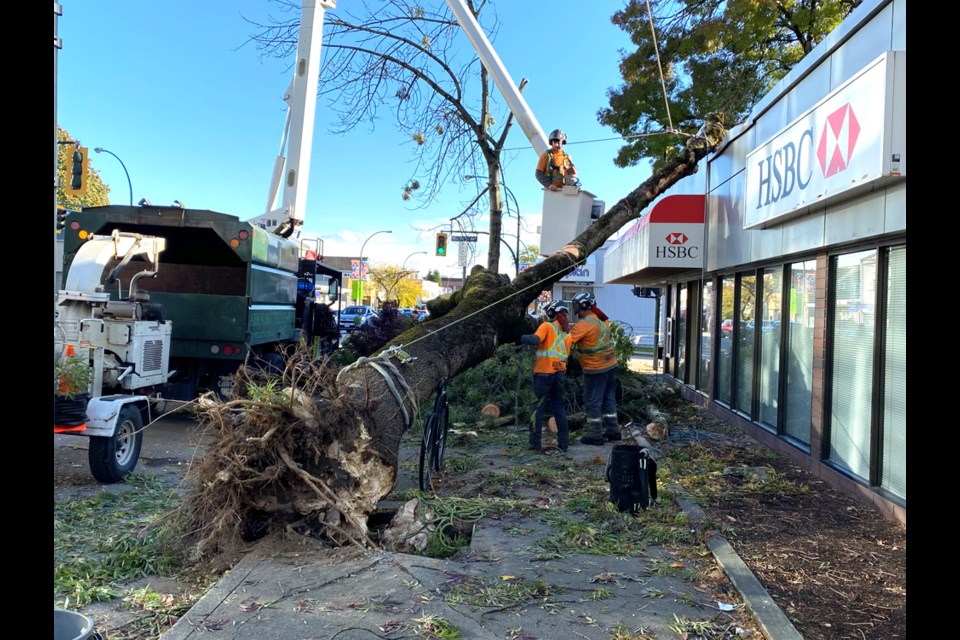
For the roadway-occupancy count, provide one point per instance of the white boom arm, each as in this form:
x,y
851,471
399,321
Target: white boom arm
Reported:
x,y
490,59
301,98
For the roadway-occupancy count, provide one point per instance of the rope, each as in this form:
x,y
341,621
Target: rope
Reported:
x,y
663,84
630,136
381,364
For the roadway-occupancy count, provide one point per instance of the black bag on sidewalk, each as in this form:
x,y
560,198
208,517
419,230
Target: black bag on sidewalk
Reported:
x,y
632,474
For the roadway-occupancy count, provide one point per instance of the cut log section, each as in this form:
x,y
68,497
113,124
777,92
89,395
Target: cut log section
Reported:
x,y
491,410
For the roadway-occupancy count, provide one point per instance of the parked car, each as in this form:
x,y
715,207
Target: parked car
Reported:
x,y
353,317
726,326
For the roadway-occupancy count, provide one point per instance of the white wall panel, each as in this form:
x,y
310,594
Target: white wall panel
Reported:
x,y
857,219
895,212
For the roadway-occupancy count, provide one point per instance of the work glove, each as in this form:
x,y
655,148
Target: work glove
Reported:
x,y
530,340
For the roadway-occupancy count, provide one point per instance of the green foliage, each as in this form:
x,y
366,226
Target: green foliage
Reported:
x,y
434,276
717,56
268,392
433,626
622,345
71,375
503,379
502,593
97,194
102,541
529,254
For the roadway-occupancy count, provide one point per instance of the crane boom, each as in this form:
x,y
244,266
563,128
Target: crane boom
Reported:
x,y
301,98
490,59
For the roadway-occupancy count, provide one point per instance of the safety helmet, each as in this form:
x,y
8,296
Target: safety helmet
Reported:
x,y
554,308
583,301
556,134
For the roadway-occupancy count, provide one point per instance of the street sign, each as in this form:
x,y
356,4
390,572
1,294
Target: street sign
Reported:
x,y
464,256
463,238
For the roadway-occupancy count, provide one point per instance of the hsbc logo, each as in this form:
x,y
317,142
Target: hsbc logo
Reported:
x,y
837,140
790,166
677,238
847,142
675,247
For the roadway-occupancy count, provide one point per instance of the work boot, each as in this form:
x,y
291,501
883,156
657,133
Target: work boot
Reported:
x,y
613,436
534,440
594,440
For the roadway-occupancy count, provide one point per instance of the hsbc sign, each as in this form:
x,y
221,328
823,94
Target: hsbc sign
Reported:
x,y
676,245
849,140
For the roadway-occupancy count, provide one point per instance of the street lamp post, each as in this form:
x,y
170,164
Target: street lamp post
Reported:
x,y
516,255
415,253
129,184
363,272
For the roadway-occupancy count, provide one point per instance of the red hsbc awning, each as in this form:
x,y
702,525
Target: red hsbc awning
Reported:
x,y
666,241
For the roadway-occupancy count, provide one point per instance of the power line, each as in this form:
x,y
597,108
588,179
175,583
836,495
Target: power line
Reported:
x,y
623,138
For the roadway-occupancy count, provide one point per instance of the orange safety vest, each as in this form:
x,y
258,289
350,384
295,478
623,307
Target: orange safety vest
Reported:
x,y
554,348
554,164
592,342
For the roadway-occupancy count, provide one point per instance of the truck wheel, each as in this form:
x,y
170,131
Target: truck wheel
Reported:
x,y
113,458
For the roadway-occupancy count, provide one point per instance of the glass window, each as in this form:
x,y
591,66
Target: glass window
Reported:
x,y
745,341
854,280
725,354
799,403
706,336
893,476
770,327
681,329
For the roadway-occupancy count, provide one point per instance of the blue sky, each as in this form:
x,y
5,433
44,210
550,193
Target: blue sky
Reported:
x,y
196,115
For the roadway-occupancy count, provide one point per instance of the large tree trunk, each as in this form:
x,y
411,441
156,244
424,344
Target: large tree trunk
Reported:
x,y
324,459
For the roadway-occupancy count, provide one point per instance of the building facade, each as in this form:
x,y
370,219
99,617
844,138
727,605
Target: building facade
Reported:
x,y
784,283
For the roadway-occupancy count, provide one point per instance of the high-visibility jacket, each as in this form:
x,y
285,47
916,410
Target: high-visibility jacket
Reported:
x,y
593,343
554,164
553,349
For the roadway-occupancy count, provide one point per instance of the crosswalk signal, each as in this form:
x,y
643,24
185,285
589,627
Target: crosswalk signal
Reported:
x,y
77,163
441,244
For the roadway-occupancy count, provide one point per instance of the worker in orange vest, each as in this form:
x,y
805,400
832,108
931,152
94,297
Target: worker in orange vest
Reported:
x,y
555,168
552,340
592,343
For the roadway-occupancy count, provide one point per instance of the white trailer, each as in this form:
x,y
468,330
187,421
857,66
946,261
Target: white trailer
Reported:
x,y
110,354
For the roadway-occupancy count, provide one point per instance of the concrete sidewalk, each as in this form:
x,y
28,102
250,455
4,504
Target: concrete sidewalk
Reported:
x,y
505,586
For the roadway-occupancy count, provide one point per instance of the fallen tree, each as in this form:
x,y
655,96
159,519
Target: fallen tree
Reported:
x,y
315,452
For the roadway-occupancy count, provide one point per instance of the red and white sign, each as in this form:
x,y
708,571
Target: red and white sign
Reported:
x,y
849,140
671,235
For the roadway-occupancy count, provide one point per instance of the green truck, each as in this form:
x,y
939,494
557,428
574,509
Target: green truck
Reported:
x,y
229,288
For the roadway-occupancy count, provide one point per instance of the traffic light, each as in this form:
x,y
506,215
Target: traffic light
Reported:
x,y
77,172
61,219
442,244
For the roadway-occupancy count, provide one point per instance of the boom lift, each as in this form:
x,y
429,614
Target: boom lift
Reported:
x,y
565,213
301,99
